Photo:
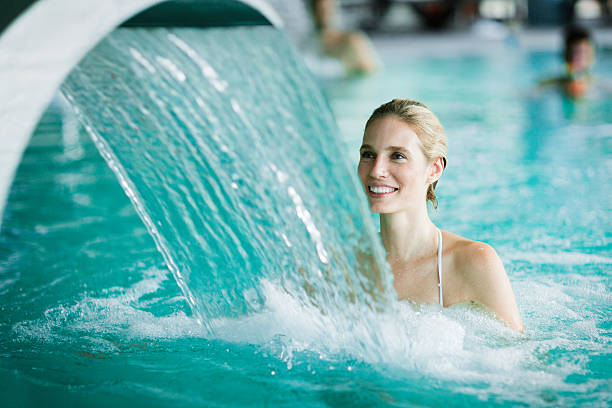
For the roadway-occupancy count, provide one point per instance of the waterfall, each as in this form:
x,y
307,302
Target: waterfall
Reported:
x,y
228,151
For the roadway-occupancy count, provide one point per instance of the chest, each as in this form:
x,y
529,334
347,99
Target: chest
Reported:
x,y
417,281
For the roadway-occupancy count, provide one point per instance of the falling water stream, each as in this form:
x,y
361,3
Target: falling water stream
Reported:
x,y
231,163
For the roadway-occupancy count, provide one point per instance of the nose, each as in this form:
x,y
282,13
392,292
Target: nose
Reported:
x,y
379,169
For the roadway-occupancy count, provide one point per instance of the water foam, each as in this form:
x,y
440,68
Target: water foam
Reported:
x,y
560,258
461,344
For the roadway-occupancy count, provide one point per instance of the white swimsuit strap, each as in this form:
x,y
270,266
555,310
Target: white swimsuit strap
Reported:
x,y
440,266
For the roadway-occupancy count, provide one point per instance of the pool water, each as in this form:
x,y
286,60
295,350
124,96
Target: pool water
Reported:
x,y
92,315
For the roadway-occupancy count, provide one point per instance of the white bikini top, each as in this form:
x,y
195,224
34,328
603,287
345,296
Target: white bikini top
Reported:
x,y
440,266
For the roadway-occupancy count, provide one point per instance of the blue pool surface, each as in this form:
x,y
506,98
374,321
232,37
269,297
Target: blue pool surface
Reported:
x,y
92,314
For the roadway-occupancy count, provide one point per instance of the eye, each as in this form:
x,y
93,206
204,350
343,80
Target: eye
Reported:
x,y
397,156
366,154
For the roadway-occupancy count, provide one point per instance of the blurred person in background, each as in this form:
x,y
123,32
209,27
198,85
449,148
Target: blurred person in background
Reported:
x,y
434,14
351,47
579,56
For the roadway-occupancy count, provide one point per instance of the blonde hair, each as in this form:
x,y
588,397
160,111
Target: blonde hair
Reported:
x,y
426,126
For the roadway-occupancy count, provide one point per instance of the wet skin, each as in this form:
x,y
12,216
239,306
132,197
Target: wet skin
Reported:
x,y
395,174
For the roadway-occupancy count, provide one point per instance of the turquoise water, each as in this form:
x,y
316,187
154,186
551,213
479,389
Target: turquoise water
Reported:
x,y
94,312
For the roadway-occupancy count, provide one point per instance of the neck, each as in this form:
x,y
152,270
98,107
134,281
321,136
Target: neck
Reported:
x,y
408,234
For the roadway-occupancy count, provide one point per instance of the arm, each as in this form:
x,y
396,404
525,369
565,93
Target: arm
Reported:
x,y
488,283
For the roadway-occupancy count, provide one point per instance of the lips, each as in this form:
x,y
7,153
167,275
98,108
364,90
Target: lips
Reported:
x,y
378,191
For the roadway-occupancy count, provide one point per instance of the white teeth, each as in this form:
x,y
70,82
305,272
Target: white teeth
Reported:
x,y
381,190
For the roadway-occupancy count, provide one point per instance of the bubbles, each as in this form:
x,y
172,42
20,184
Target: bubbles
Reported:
x,y
561,258
464,346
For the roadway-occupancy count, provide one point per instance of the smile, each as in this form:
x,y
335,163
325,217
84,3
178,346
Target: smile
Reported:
x,y
381,191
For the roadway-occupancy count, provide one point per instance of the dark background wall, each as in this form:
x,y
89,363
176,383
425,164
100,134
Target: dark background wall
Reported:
x,y
11,9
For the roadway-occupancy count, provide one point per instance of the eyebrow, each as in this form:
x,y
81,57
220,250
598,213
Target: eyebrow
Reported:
x,y
394,148
400,148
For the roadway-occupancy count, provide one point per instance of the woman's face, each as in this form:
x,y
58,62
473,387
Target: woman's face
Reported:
x,y
393,169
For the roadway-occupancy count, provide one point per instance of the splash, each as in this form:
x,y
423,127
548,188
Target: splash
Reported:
x,y
227,149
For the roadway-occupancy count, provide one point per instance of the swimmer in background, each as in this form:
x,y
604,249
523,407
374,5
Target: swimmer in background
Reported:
x,y
579,56
403,155
352,48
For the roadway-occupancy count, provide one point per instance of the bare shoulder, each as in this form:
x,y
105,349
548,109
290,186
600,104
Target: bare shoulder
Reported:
x,y
476,260
468,255
482,275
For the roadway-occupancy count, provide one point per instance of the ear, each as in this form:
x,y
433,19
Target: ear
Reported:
x,y
435,170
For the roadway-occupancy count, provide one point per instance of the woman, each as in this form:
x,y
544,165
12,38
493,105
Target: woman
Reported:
x,y
402,157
